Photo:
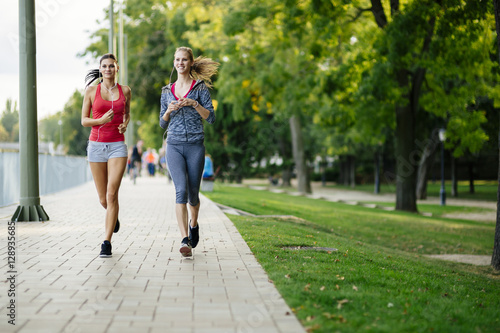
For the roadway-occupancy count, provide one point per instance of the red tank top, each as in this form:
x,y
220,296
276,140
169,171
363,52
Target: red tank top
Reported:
x,y
109,131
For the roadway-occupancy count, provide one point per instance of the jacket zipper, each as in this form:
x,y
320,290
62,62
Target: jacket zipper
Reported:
x,y
183,117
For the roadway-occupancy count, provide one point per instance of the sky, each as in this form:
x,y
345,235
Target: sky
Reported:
x,y
63,31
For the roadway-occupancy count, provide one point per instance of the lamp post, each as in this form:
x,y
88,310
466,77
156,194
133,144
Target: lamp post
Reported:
x,y
111,28
442,192
29,208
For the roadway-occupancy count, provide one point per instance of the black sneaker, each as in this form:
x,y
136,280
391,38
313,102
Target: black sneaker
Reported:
x,y
185,248
194,235
117,226
105,249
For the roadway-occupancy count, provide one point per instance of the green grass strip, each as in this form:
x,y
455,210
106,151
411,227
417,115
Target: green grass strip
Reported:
x,y
376,281
397,230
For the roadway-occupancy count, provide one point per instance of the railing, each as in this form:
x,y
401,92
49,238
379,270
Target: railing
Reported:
x,y
56,173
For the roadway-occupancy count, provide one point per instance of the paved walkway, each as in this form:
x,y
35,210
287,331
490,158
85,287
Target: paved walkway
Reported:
x,y
63,286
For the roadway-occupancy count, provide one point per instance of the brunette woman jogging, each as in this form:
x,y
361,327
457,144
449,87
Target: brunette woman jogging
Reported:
x,y
109,103
184,106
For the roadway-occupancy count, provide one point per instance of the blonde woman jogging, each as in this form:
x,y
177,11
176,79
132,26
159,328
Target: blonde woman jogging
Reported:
x,y
185,105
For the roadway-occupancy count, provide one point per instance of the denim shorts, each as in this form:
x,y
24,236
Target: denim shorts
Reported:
x,y
103,151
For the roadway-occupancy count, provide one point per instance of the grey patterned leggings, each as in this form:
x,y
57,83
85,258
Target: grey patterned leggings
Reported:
x,y
185,163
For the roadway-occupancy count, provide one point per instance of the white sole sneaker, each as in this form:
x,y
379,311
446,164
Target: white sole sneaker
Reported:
x,y
186,250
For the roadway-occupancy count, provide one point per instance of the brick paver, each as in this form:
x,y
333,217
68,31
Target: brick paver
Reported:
x,y
63,286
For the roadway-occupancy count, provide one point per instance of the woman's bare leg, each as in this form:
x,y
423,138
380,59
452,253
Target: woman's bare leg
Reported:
x,y
182,218
116,169
194,210
100,174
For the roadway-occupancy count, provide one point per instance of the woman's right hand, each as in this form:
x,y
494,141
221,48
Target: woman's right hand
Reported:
x,y
174,105
107,117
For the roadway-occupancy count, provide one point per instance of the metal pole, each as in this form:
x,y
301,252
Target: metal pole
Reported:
x,y
129,137
29,208
125,59
442,192
120,43
111,27
124,72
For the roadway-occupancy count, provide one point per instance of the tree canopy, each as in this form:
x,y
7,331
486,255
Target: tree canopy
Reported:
x,y
357,77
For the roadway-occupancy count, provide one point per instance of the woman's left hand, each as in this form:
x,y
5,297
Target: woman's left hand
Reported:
x,y
186,102
122,128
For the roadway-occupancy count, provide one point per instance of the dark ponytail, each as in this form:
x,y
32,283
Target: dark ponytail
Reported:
x,y
91,76
95,74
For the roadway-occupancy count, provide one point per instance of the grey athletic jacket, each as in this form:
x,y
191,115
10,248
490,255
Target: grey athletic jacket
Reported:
x,y
186,125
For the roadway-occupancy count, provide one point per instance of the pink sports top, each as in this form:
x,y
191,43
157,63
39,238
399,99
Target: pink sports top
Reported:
x,y
173,89
109,131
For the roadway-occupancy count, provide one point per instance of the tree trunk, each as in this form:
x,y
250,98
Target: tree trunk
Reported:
x,y
286,174
299,157
340,180
406,194
454,180
406,198
471,177
376,189
425,163
323,170
352,170
346,171
378,13
239,178
343,170
495,259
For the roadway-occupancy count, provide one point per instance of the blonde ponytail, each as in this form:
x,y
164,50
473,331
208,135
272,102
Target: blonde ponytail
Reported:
x,y
203,69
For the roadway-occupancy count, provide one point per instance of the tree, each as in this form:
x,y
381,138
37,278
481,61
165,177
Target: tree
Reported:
x,y
10,121
75,136
349,74
66,124
273,41
48,128
4,136
419,44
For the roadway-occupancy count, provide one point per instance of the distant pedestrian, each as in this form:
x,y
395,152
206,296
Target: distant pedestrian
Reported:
x,y
184,106
136,161
150,160
208,169
109,103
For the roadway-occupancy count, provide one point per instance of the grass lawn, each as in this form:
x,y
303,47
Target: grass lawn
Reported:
x,y
379,279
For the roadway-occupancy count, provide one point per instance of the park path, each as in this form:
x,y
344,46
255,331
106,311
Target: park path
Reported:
x,y
63,286
356,197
